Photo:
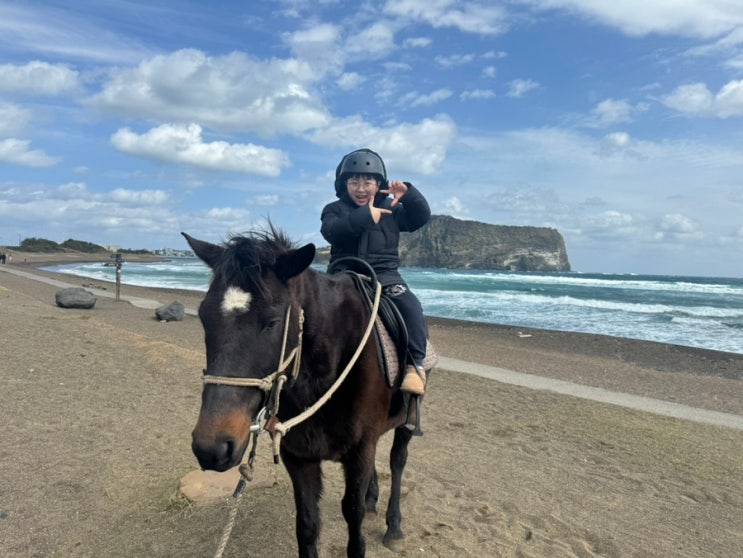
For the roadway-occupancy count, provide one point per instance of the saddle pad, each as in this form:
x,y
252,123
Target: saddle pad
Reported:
x,y
389,358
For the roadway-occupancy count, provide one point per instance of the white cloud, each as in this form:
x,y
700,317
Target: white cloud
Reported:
x,y
13,118
735,63
697,99
17,152
226,214
677,227
609,112
690,18
73,210
231,92
419,148
477,94
265,200
418,99
678,224
693,98
37,78
728,41
138,197
729,100
519,87
494,55
453,206
618,140
454,60
472,17
375,41
350,80
610,219
184,144
318,46
417,42
489,72
61,33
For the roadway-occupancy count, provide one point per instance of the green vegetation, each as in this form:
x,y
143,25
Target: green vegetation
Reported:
x,y
40,245
82,246
70,245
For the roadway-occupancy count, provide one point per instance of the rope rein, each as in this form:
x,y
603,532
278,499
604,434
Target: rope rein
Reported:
x,y
279,429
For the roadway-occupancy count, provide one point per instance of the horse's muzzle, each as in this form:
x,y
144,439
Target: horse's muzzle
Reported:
x,y
219,453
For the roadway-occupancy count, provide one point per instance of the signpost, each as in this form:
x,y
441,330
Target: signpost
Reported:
x,y
118,260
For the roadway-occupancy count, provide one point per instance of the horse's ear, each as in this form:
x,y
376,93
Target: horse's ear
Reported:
x,y
295,262
206,251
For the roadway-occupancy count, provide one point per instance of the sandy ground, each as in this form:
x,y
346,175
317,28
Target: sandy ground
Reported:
x,y
98,405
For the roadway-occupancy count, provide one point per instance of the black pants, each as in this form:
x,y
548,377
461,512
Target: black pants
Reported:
x,y
412,312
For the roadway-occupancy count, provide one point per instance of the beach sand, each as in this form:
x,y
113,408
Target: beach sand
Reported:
x,y
98,406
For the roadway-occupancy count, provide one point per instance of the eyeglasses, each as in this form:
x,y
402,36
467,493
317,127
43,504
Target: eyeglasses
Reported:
x,y
359,184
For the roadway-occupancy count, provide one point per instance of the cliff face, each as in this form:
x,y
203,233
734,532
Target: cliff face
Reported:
x,y
446,242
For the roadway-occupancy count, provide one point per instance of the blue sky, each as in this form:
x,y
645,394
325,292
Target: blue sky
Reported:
x,y
620,124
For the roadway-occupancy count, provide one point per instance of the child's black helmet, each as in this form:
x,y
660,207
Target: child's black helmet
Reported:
x,y
361,161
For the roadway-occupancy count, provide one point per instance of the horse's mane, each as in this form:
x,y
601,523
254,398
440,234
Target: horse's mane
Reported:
x,y
247,255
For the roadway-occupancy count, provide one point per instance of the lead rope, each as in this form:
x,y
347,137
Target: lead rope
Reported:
x,y
246,475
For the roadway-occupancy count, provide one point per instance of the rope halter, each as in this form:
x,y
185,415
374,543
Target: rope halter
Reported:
x,y
267,382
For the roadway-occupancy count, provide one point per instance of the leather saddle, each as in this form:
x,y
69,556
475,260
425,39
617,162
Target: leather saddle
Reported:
x,y
390,332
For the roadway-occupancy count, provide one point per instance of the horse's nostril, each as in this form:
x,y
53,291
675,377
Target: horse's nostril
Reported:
x,y
218,455
228,449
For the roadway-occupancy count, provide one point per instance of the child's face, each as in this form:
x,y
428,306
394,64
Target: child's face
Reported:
x,y
362,188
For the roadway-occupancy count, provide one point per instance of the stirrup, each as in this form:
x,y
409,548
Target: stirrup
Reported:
x,y
414,425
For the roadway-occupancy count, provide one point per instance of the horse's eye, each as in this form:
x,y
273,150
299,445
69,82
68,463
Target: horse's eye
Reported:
x,y
272,323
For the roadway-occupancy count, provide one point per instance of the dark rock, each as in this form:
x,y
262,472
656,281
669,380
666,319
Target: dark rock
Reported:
x,y
75,297
172,312
446,242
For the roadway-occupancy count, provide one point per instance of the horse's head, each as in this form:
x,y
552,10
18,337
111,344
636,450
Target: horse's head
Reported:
x,y
243,313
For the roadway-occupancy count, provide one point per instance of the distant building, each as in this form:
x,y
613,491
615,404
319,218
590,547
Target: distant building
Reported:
x,y
173,253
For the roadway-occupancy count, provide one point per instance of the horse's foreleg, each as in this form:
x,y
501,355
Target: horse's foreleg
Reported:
x,y
394,537
359,470
307,482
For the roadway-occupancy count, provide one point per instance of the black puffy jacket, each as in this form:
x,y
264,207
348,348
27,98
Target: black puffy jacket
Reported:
x,y
351,231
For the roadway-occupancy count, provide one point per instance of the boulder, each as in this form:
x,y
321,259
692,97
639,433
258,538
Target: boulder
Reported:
x,y
75,297
207,487
172,312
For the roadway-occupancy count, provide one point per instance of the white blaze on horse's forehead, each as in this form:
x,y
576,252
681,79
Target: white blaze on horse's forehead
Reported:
x,y
236,300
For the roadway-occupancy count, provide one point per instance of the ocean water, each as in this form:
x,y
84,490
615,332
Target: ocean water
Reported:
x,y
701,312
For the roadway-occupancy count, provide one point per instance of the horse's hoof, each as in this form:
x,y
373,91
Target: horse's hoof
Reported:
x,y
395,543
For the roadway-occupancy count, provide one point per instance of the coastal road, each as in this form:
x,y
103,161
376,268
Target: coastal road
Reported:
x,y
531,381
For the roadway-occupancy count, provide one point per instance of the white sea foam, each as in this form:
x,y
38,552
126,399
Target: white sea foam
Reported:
x,y
700,312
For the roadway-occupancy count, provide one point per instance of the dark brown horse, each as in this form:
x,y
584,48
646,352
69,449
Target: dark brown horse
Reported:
x,y
261,288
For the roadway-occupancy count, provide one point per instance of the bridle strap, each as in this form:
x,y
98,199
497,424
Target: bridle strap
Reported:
x,y
266,383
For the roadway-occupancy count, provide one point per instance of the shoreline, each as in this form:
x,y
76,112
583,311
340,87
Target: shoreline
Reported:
x,y
696,377
38,260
